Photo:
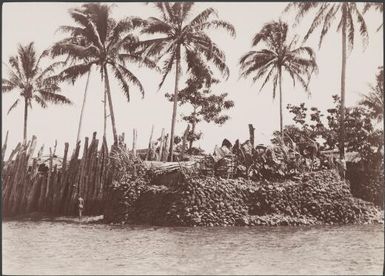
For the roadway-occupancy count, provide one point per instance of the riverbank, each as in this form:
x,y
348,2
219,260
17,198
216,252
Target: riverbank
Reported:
x,y
195,200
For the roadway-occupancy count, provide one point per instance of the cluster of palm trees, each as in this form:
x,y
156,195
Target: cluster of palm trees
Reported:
x,y
173,42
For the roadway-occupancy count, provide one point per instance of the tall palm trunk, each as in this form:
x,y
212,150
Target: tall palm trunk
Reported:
x,y
25,120
343,72
108,92
82,110
280,102
173,119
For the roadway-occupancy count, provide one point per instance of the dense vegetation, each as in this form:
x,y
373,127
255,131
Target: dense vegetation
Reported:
x,y
188,198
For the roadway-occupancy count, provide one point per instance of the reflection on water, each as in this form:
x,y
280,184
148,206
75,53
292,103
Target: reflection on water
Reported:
x,y
73,248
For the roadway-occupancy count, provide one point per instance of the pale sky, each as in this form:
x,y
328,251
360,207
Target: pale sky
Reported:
x,y
26,22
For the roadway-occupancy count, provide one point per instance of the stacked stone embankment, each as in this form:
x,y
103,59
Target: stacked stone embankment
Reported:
x,y
194,200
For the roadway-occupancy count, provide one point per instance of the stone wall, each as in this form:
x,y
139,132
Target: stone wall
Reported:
x,y
194,200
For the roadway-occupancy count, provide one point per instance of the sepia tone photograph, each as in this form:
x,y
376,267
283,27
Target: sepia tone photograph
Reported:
x,y
182,138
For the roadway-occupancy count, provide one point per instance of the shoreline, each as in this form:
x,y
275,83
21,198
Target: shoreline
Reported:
x,y
100,220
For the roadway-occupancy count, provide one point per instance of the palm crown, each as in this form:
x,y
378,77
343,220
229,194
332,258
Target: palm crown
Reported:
x,y
278,55
34,82
105,42
177,35
327,13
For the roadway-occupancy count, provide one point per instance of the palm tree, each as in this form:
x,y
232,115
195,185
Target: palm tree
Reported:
x,y
34,82
100,40
278,56
178,35
346,13
374,100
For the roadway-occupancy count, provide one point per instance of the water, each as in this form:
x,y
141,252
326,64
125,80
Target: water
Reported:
x,y
72,248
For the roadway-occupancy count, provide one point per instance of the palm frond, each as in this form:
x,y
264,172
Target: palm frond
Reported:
x,y
362,25
53,97
13,106
140,60
131,78
202,17
167,67
329,17
40,101
92,32
7,85
74,72
317,20
217,24
123,84
27,58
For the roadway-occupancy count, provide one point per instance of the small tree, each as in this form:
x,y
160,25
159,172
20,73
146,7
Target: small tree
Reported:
x,y
206,106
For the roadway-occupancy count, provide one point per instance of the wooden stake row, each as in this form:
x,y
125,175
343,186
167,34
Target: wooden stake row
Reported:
x,y
49,186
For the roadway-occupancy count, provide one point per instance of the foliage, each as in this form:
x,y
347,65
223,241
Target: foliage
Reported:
x,y
206,106
362,137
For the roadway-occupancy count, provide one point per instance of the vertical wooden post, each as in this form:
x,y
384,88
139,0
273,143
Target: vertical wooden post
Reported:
x,y
134,136
149,143
251,133
3,149
161,145
165,152
184,141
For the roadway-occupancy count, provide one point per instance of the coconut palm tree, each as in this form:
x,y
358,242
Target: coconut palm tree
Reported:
x,y
348,16
34,82
181,39
374,100
106,43
278,55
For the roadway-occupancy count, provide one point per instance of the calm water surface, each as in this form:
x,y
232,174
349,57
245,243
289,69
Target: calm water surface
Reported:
x,y
73,248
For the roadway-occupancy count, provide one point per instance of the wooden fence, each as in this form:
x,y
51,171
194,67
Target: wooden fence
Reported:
x,y
50,186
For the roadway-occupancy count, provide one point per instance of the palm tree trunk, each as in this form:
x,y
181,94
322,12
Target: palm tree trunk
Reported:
x,y
343,72
25,120
108,92
280,102
82,110
173,119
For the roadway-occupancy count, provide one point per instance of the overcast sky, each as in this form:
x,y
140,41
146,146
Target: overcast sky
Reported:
x,y
25,22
